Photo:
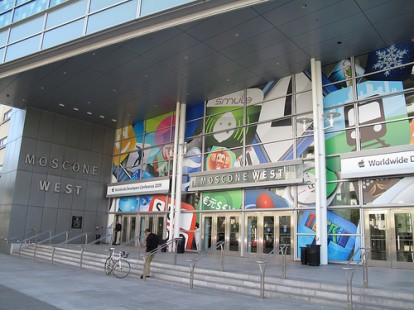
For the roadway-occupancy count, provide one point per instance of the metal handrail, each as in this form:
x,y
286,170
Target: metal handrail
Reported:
x,y
74,238
9,240
363,261
282,250
349,272
127,242
193,261
53,237
163,246
29,240
101,239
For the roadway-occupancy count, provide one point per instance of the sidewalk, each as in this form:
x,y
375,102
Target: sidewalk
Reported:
x,y
37,285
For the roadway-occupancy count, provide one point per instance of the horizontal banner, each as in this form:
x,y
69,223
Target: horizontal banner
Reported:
x,y
138,188
281,173
378,165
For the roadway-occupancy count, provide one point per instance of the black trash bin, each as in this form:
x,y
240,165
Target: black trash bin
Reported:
x,y
314,254
304,255
181,245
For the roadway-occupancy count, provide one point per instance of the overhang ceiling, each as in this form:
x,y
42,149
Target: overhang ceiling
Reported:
x,y
142,73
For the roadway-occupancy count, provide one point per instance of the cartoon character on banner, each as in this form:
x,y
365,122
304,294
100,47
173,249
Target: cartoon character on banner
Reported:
x,y
342,239
220,158
187,220
306,192
263,199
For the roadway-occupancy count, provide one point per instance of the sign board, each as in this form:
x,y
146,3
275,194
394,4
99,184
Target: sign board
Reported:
x,y
153,186
394,163
281,173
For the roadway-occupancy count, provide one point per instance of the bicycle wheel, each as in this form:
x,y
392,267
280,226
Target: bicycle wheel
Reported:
x,y
121,268
109,266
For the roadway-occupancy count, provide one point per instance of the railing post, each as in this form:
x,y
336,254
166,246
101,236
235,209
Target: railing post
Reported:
x,y
365,266
284,251
349,274
53,254
34,252
262,266
86,239
175,252
67,237
81,258
222,257
50,237
192,267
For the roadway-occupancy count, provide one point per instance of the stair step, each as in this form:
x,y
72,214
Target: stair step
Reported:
x,y
246,284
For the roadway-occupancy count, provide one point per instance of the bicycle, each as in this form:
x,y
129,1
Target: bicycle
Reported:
x,y
117,264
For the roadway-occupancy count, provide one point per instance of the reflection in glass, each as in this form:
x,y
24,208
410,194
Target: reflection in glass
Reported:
x,y
207,232
404,237
284,232
268,233
132,227
252,234
377,232
234,233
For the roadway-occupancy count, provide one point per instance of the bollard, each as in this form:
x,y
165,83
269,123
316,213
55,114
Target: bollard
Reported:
x,y
192,267
349,274
262,266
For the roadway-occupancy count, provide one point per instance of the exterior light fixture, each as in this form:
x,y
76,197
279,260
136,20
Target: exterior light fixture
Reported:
x,y
329,116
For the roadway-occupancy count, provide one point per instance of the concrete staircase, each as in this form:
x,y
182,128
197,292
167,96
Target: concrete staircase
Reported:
x,y
240,283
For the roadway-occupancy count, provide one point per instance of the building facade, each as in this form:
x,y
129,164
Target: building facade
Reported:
x,y
302,152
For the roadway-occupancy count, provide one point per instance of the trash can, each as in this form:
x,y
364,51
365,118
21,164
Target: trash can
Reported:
x,y
181,245
304,255
314,254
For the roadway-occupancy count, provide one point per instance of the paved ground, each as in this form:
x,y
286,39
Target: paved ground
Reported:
x,y
28,284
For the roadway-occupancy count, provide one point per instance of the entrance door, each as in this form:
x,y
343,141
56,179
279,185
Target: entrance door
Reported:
x,y
224,227
266,232
389,234
128,228
155,222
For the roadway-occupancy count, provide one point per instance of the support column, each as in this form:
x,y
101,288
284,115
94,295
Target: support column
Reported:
x,y
174,177
320,162
179,178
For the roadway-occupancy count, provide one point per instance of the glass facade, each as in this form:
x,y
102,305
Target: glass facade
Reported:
x,y
262,125
35,25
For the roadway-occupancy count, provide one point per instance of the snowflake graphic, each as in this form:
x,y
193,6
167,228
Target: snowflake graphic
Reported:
x,y
389,58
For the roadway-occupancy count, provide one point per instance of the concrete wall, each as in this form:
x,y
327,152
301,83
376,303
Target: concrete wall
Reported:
x,y
55,168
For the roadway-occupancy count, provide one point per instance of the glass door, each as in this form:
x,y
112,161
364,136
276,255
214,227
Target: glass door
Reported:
x,y
266,232
389,234
403,232
217,227
155,222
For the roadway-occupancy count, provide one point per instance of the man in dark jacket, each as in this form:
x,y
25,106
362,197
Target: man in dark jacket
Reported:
x,y
151,244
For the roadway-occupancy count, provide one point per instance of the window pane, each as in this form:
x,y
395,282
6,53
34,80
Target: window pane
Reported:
x,y
97,5
63,34
3,38
112,17
151,6
26,30
23,48
29,9
66,13
6,5
5,19
56,2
